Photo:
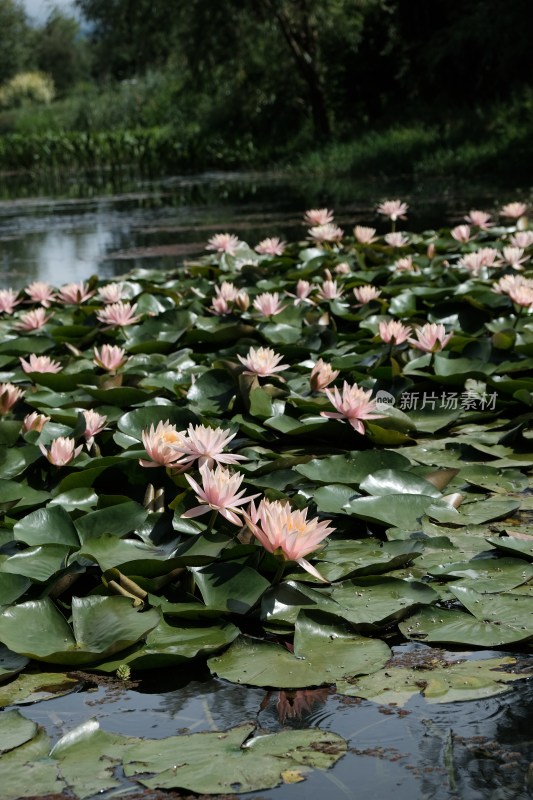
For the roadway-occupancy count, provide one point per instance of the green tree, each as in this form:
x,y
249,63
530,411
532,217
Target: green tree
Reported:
x,y
129,36
15,52
61,51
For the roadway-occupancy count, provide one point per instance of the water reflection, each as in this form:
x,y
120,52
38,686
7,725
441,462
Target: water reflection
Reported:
x,y
108,230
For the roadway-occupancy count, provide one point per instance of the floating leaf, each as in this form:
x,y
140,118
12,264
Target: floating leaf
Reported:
x,y
35,687
10,664
439,682
323,654
456,627
229,761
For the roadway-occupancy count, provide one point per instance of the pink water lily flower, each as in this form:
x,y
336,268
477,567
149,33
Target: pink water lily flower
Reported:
x,y
522,239
509,282
404,264
242,301
364,235
118,314
207,446
111,293
95,423
34,422
224,243
329,291
219,306
514,257
9,395
396,239
353,404
8,300
393,332
74,293
326,233
287,533
522,295
40,364
159,444
431,337
393,209
227,291
303,290
62,451
272,246
268,304
513,210
32,320
40,292
343,268
473,262
322,375
480,219
318,216
461,233
262,361
219,492
110,357
365,294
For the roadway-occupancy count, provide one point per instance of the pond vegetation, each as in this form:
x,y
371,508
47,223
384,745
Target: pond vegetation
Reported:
x,y
278,461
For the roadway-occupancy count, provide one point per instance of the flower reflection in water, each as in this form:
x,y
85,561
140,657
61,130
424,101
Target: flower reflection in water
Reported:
x,y
296,704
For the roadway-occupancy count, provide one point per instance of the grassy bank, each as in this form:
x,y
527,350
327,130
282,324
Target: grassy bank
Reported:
x,y
141,126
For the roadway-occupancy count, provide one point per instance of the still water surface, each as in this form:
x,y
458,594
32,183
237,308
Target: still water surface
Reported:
x,y
480,750
79,230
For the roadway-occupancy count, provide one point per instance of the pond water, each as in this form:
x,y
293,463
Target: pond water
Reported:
x,y
480,750
69,231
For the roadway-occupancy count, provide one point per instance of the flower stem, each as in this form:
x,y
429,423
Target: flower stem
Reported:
x,y
279,574
211,522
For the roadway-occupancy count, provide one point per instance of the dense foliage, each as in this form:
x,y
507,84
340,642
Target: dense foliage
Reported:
x,y
271,79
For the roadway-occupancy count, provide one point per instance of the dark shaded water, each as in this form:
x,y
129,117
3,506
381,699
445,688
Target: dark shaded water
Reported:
x,y
70,231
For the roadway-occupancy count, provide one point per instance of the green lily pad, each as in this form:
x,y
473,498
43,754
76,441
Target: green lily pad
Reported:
x,y
116,520
133,423
15,730
352,468
101,626
230,586
489,575
35,687
324,653
444,626
211,392
395,482
10,664
50,525
402,510
377,601
503,609
441,682
234,760
12,586
512,546
171,645
345,558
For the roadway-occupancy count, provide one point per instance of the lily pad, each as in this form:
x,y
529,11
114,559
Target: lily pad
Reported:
x,y
229,761
35,687
441,682
324,652
444,626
